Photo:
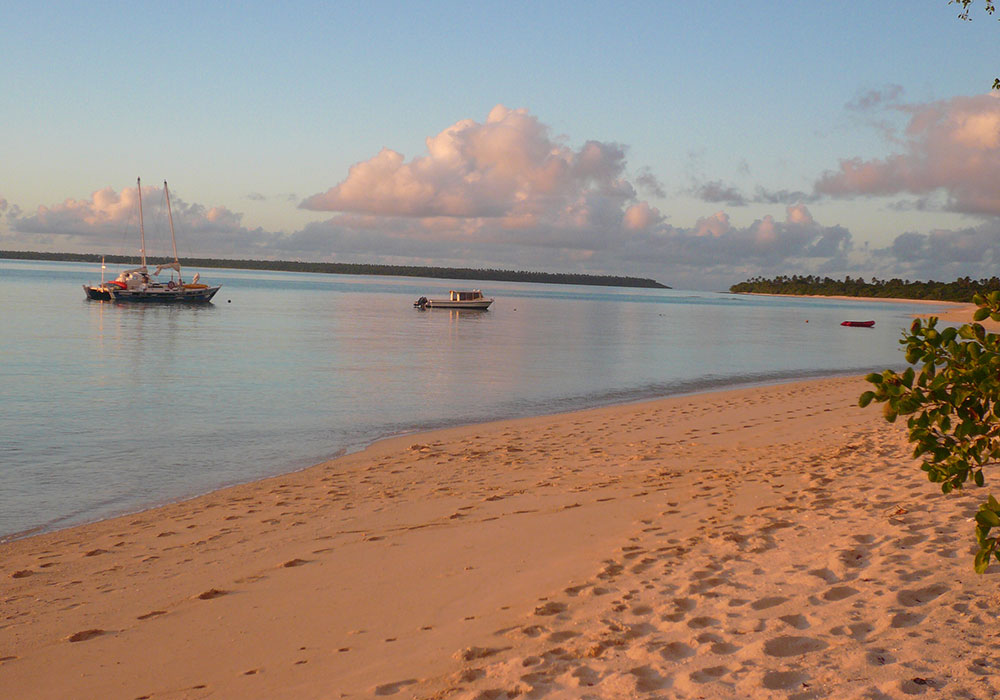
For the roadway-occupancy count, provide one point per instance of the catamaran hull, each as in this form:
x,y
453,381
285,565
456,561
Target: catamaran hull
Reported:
x,y
164,296
96,293
446,304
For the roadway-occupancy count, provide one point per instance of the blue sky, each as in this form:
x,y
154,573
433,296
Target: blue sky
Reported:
x,y
721,133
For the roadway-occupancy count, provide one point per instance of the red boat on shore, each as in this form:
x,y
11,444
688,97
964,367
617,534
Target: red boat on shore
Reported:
x,y
859,324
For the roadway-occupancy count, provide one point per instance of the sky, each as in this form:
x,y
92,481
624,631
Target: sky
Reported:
x,y
698,144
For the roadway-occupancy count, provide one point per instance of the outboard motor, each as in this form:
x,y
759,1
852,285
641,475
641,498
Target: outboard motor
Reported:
x,y
421,302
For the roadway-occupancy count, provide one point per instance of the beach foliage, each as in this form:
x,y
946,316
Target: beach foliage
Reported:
x,y
951,397
961,289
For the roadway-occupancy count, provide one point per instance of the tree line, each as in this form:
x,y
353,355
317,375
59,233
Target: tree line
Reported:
x,y
963,289
462,273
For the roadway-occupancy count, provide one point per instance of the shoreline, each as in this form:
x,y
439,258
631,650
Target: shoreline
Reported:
x,y
669,546
696,390
952,312
842,297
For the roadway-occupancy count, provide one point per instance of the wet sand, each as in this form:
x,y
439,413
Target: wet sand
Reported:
x,y
759,543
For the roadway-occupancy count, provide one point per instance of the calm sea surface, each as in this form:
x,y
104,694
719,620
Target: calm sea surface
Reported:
x,y
108,408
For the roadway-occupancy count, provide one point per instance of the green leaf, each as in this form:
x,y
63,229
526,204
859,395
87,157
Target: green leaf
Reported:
x,y
889,413
866,398
982,559
987,518
907,377
981,313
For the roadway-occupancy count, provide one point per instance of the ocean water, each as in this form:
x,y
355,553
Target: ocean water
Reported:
x,y
109,408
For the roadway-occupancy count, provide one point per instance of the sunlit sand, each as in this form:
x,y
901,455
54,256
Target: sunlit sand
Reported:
x,y
765,542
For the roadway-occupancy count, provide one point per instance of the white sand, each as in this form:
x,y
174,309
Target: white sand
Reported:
x,y
760,543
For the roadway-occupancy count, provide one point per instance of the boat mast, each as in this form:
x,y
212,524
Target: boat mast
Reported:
x,y
142,229
173,239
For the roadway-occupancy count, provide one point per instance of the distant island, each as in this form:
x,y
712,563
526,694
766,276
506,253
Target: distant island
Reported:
x,y
961,290
461,273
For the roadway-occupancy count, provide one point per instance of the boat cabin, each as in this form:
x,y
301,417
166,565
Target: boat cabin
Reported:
x,y
474,295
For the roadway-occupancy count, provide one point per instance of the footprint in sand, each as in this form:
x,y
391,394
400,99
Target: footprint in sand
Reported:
x,y
793,646
85,635
676,651
707,675
550,608
784,680
839,593
906,619
473,653
703,622
768,602
211,593
919,596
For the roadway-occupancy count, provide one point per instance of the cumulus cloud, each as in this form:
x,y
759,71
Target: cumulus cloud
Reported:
x,y
508,168
506,193
641,216
944,254
950,147
766,245
109,216
713,253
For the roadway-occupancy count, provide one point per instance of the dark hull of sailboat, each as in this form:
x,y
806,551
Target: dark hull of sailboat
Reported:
x,y
97,293
165,296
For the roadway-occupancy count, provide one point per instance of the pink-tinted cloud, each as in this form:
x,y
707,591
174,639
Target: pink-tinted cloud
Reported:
x,y
715,226
508,168
641,216
951,147
109,216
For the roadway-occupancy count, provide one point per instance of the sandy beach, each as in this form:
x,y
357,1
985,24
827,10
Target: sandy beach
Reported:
x,y
759,543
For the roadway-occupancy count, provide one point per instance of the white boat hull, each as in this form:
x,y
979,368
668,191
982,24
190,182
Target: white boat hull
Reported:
x,y
481,304
457,299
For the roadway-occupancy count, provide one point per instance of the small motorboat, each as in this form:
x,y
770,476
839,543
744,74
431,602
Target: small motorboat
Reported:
x,y
456,300
859,324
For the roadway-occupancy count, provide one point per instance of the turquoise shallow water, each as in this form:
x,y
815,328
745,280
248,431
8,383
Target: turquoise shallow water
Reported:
x,y
108,408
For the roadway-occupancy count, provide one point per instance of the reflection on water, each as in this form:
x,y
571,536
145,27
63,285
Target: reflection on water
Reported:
x,y
112,407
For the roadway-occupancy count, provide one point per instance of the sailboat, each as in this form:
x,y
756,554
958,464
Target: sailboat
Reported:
x,y
136,285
